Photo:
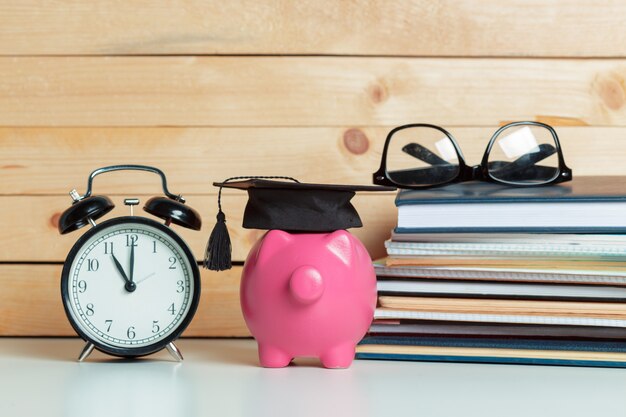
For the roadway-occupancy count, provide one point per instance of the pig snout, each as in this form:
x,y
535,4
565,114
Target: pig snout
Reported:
x,y
306,284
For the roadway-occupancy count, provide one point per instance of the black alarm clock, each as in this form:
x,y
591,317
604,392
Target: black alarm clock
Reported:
x,y
130,285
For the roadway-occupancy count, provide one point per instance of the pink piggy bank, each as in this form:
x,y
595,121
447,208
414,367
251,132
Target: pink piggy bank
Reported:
x,y
309,294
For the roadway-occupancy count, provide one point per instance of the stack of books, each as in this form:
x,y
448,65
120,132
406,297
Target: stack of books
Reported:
x,y
480,272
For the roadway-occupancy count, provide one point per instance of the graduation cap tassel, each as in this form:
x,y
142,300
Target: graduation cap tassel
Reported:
x,y
218,251
218,254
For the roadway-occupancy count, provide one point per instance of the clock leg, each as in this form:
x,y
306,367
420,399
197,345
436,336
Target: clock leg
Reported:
x,y
86,351
173,350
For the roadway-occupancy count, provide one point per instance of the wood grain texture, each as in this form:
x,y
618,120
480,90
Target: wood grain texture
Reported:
x,y
44,161
361,27
30,303
307,91
29,225
151,95
54,160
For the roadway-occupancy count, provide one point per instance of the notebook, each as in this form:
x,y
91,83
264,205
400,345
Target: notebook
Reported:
x,y
403,314
584,205
422,328
543,249
500,343
504,271
500,290
556,309
507,351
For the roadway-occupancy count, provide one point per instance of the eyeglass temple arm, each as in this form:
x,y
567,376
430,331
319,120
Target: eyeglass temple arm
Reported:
x,y
442,174
424,154
529,159
499,168
524,162
437,173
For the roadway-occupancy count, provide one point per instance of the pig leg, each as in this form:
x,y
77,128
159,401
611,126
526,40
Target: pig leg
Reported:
x,y
271,357
339,356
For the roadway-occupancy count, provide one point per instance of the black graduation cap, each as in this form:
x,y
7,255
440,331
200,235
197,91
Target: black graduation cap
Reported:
x,y
289,206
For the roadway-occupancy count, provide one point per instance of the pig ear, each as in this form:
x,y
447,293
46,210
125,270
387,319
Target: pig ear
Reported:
x,y
274,241
340,244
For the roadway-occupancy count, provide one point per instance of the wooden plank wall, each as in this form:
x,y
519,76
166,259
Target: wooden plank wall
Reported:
x,y
210,89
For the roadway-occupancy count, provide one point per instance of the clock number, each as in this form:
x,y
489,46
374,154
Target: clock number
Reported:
x,y
154,246
89,311
131,240
155,326
130,333
82,286
172,262
108,248
92,265
181,286
109,323
171,309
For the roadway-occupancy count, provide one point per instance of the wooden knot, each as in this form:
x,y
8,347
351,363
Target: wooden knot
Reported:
x,y
378,92
356,141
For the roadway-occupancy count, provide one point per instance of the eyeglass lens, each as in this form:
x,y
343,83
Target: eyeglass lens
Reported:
x,y
421,156
524,154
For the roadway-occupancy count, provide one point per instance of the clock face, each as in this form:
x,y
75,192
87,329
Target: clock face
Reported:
x,y
130,286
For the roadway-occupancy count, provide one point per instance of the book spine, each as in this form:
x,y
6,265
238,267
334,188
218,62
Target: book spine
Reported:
x,y
486,359
503,275
493,318
499,343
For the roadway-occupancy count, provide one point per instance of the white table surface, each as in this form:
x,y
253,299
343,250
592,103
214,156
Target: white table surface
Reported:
x,y
40,377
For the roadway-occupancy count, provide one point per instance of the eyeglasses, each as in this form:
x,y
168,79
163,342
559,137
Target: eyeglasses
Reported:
x,y
520,153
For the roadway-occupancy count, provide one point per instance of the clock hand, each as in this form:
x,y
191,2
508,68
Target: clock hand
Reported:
x,y
132,262
130,286
146,277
